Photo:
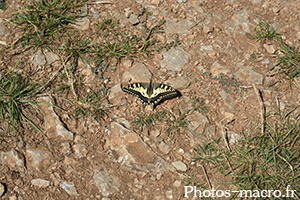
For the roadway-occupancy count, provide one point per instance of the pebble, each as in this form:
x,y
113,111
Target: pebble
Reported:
x,y
179,165
69,187
2,189
164,148
40,183
133,19
269,48
177,183
245,73
169,194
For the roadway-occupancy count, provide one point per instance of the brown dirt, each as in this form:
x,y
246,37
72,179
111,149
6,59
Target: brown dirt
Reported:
x,y
245,113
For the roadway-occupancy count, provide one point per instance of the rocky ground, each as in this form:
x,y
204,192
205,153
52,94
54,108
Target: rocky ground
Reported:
x,y
111,159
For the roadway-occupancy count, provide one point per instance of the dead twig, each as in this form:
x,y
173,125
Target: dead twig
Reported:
x,y
206,176
262,108
224,133
196,23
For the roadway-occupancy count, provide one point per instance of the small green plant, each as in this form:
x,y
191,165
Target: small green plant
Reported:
x,y
75,48
116,43
144,11
289,60
45,20
190,179
66,80
147,120
91,105
266,160
2,5
173,44
254,56
227,82
197,104
176,124
16,102
107,23
264,31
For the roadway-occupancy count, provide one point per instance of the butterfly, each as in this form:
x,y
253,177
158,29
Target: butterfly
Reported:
x,y
150,93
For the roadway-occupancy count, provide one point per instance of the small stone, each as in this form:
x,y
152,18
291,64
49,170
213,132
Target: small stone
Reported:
x,y
14,159
180,151
80,150
128,63
137,73
133,19
298,35
70,161
180,83
159,56
177,183
164,148
246,73
69,187
83,23
13,197
217,68
65,148
228,115
270,49
2,189
127,12
40,183
38,158
233,137
175,59
169,194
155,2
107,183
155,133
179,165
158,176
208,29
39,58
211,54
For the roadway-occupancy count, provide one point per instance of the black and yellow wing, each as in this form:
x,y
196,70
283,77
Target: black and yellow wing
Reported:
x,y
150,93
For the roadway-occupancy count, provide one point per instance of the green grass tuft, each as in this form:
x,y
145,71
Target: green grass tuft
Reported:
x,y
91,105
262,161
3,5
264,31
45,20
16,100
144,120
176,124
289,60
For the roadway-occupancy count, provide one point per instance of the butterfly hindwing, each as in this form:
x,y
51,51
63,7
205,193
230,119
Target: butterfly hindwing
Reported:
x,y
150,93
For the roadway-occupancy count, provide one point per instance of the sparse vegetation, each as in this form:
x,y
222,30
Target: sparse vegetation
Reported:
x,y
17,102
2,5
289,60
91,105
263,161
227,82
264,31
197,104
147,120
176,124
44,21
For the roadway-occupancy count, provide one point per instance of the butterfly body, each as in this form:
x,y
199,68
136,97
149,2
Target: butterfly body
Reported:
x,y
150,93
